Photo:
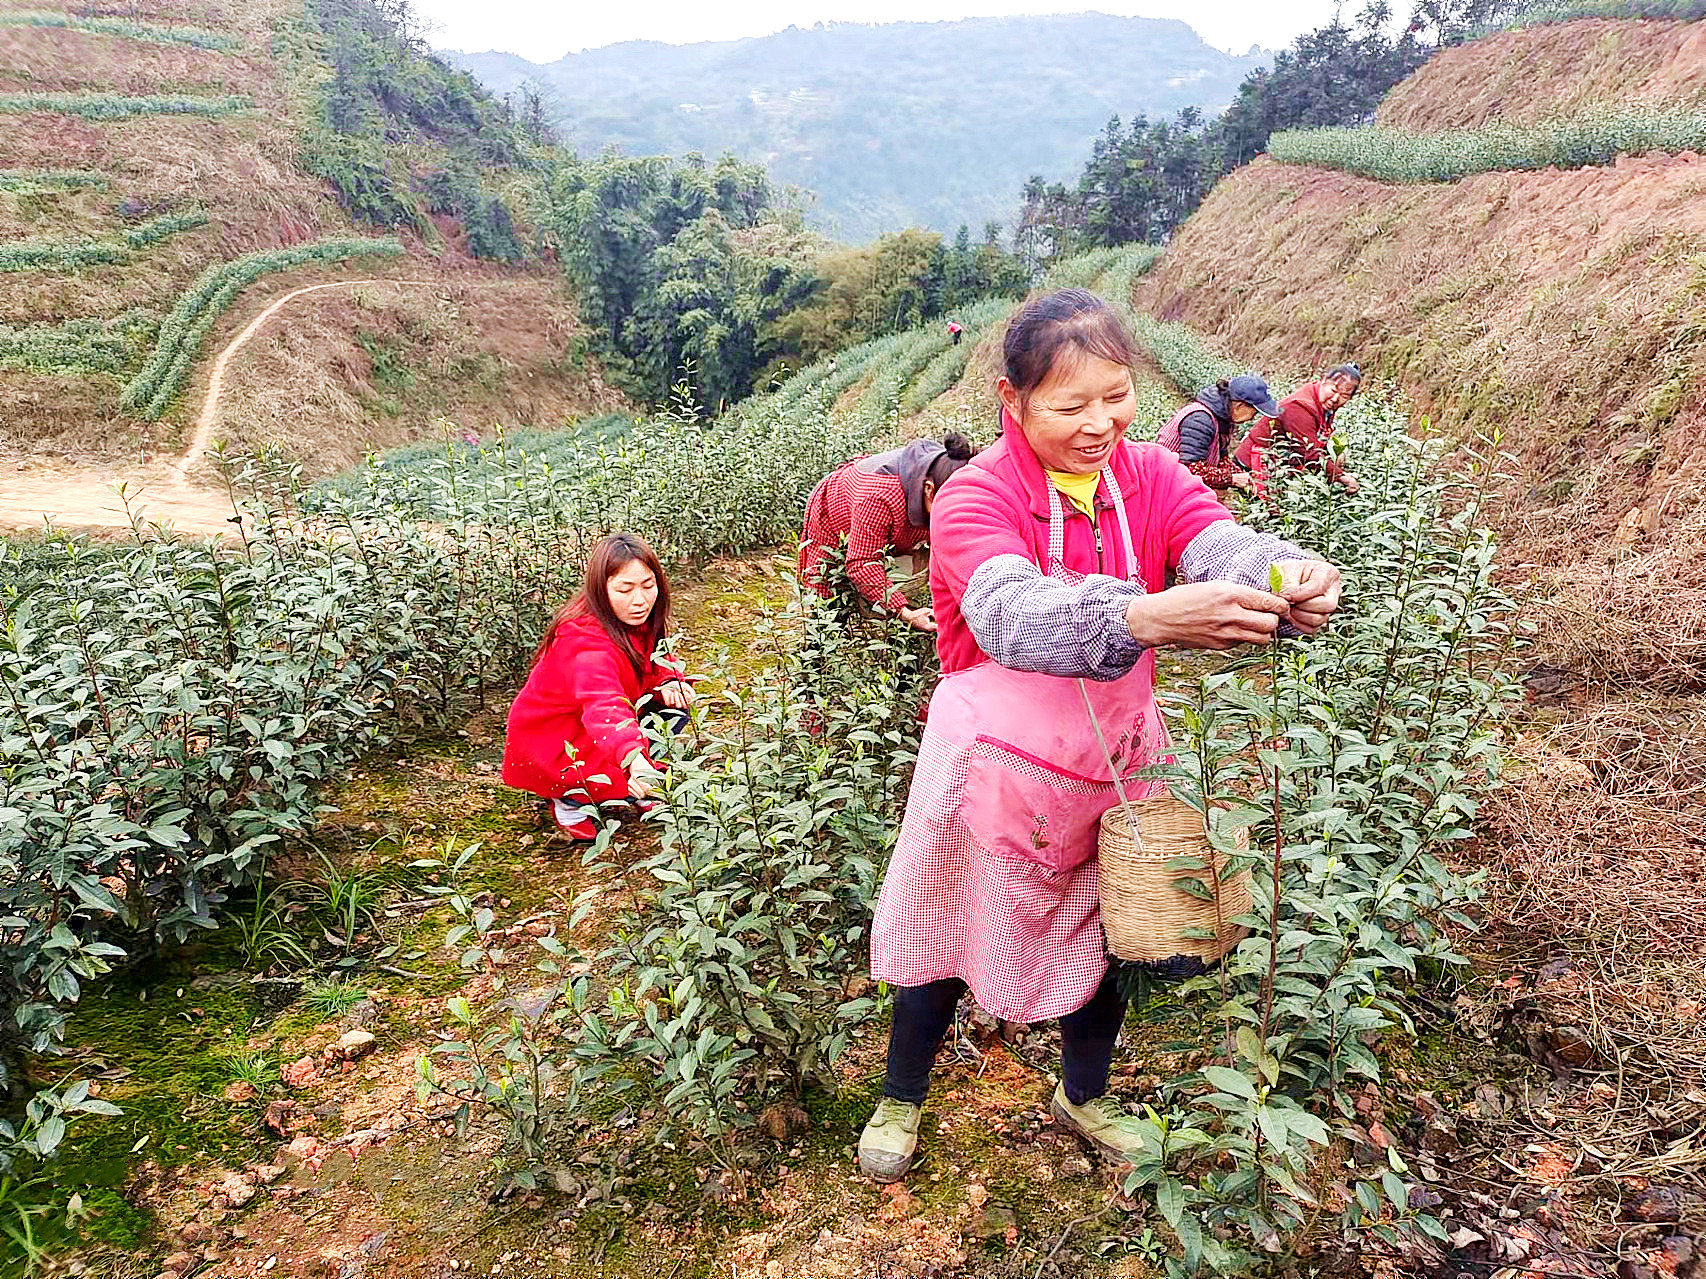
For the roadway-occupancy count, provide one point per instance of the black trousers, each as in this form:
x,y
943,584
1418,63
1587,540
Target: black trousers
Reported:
x,y
922,1015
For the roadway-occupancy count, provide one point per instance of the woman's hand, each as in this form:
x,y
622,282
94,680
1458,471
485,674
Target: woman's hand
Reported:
x,y
1205,615
1349,482
677,694
922,619
1243,480
1312,589
640,787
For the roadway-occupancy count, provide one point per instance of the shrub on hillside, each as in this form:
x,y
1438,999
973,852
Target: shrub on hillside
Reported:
x,y
80,346
1398,155
40,181
182,332
117,106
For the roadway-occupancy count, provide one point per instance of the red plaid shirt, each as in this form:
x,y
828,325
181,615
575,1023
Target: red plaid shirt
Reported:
x,y
870,512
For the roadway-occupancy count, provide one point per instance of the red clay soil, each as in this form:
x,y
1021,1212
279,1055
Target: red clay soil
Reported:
x,y
1567,308
1551,70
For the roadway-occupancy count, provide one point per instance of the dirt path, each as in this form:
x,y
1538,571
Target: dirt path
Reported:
x,y
162,491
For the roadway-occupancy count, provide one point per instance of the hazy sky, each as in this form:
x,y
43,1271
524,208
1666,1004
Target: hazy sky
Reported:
x,y
544,30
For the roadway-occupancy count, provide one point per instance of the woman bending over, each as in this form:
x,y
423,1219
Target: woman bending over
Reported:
x,y
879,504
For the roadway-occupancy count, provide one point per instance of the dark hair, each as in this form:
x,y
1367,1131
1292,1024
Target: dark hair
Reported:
x,y
609,555
1348,371
1045,326
1224,386
956,452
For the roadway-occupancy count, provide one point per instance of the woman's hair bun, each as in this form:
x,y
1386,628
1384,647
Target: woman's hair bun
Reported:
x,y
957,446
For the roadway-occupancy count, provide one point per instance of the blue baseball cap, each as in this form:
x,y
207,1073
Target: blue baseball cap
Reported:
x,y
1254,392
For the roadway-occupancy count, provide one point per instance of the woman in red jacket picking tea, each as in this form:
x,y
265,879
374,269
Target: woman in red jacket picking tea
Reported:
x,y
574,729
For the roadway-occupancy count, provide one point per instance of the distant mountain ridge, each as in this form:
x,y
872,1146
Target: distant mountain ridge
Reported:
x,y
900,124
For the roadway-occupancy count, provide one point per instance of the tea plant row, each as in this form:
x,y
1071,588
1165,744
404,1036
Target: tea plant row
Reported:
x,y
43,181
70,255
1528,13
1397,155
124,29
107,107
112,346
184,329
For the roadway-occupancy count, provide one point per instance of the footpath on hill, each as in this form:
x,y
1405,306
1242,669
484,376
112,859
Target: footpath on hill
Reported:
x,y
166,491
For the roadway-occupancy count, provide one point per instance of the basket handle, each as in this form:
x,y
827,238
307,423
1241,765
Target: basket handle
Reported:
x,y
1113,769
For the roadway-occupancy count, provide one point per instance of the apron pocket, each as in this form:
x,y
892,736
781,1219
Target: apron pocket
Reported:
x,y
1022,808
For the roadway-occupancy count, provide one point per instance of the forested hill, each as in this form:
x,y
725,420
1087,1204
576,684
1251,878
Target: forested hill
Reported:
x,y
903,124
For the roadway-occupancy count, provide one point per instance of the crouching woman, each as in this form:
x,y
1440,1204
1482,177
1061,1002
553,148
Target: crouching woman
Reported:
x,y
1052,552
575,737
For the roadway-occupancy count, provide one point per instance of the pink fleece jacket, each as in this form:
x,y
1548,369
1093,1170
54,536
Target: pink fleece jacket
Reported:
x,y
998,504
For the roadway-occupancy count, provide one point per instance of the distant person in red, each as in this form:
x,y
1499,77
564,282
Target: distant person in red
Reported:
x,y
1306,416
1202,432
574,729
954,331
879,504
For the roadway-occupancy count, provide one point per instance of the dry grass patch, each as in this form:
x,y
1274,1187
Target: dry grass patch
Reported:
x,y
50,60
1520,77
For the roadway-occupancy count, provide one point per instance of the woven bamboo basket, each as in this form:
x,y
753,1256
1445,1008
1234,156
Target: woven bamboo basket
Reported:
x,y
1145,915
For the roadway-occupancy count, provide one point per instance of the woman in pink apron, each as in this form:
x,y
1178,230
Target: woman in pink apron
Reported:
x,y
1052,548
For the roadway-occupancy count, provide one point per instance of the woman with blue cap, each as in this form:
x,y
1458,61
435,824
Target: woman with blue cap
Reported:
x,y
1202,432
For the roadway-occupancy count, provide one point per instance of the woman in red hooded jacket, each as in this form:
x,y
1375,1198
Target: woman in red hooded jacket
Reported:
x,y
574,729
1305,425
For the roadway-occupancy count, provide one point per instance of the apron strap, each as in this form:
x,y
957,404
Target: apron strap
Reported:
x,y
1055,564
1133,572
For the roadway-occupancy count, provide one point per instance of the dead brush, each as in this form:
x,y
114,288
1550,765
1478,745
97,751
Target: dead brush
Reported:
x,y
1637,623
1602,857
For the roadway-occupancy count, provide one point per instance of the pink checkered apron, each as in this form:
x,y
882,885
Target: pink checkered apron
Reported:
x,y
993,879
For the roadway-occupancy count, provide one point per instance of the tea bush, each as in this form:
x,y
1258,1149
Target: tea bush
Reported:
x,y
102,107
736,948
69,255
112,346
123,29
1527,13
696,490
58,255
170,708
183,331
1355,760
41,181
733,961
1398,155
163,228
1179,351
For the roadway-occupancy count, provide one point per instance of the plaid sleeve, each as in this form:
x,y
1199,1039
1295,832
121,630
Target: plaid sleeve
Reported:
x,y
1217,475
1028,622
877,508
1228,552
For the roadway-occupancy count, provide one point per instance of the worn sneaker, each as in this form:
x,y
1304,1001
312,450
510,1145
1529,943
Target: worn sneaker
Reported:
x,y
1101,1122
889,1142
574,821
